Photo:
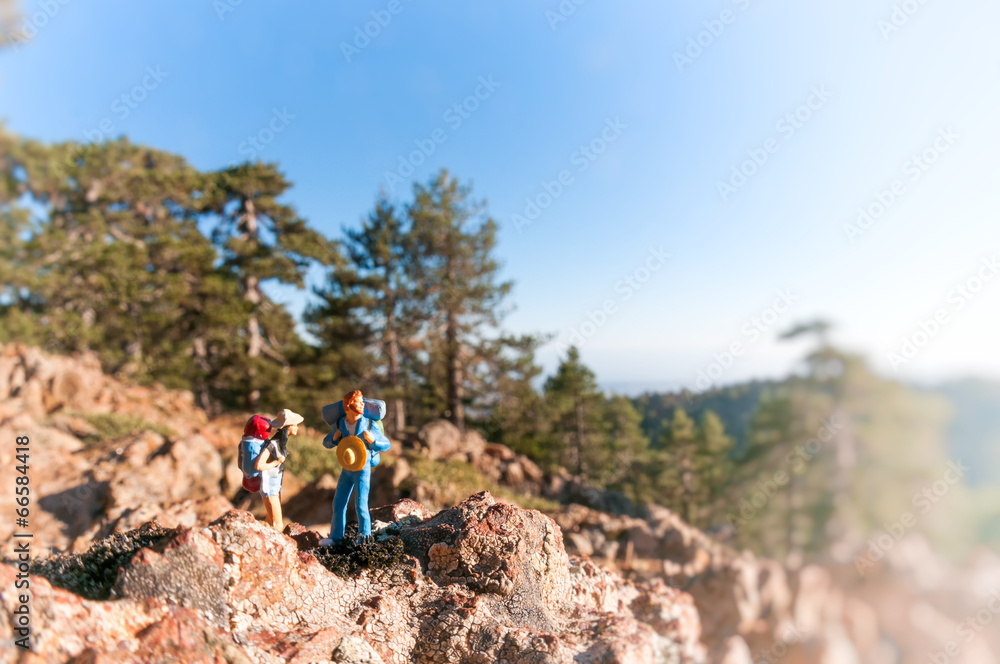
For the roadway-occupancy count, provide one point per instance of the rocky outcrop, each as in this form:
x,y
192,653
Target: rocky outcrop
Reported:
x,y
41,385
596,580
68,628
481,582
515,557
86,490
83,492
441,439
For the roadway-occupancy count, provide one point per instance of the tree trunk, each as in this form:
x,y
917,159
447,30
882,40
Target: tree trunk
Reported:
x,y
253,352
398,420
134,348
454,374
578,438
686,490
793,493
201,384
252,294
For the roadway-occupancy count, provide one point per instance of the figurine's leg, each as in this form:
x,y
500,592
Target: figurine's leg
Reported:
x,y
361,503
268,511
279,523
344,486
272,504
273,500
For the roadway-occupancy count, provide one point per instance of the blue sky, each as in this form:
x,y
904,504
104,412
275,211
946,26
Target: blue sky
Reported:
x,y
662,133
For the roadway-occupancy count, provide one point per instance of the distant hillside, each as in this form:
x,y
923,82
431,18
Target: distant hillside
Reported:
x,y
974,432
735,406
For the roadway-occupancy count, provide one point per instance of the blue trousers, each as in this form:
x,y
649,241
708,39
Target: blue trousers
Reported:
x,y
359,483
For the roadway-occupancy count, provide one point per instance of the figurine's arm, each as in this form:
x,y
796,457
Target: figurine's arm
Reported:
x,y
330,440
263,464
377,440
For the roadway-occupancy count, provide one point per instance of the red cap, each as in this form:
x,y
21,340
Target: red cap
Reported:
x,y
257,427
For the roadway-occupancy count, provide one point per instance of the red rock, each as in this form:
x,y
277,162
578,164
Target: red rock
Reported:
x,y
398,510
305,539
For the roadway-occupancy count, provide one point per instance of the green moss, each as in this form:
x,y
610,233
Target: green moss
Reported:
x,y
457,480
94,573
112,426
347,557
308,460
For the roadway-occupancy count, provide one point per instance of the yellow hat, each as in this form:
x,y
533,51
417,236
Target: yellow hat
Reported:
x,y
352,453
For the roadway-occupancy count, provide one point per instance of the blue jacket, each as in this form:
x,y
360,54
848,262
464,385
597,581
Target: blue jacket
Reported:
x,y
381,443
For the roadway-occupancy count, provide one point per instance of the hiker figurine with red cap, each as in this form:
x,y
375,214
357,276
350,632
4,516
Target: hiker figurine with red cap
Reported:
x,y
271,464
358,436
263,461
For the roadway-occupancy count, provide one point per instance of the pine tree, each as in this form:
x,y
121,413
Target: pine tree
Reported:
x,y
115,251
680,443
782,494
626,447
116,264
692,469
713,469
454,265
575,405
18,307
261,240
515,412
368,312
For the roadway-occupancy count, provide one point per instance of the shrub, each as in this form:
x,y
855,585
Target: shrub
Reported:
x,y
308,460
112,426
457,480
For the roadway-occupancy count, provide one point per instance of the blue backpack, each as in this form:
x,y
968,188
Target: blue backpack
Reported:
x,y
374,410
250,449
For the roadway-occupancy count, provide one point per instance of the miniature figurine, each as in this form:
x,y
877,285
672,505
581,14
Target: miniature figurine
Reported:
x,y
361,438
254,434
271,464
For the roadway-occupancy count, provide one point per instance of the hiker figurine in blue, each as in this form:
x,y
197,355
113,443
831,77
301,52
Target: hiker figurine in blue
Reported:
x,y
358,436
